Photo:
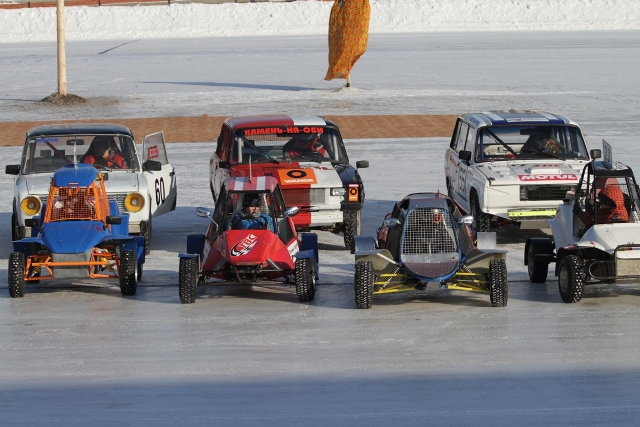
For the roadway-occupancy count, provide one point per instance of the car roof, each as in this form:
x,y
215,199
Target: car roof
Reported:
x,y
604,169
265,120
257,183
526,117
79,129
78,175
428,199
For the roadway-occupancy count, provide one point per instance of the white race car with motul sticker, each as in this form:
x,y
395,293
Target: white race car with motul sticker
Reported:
x,y
513,166
307,156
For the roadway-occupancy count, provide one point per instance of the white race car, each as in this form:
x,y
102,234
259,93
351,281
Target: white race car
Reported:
x,y
513,166
144,186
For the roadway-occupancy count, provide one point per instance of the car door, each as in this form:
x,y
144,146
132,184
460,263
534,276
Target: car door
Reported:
x,y
163,187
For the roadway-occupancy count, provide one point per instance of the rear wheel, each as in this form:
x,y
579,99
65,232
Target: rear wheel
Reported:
x,y
482,220
571,279
537,270
499,291
17,285
188,280
352,228
128,265
364,284
305,280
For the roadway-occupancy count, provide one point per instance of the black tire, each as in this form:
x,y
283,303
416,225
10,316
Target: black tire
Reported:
x,y
352,228
537,270
139,271
14,227
305,280
364,284
499,291
482,221
147,237
17,285
128,265
188,280
571,279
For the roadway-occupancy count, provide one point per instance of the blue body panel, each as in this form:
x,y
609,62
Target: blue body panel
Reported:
x,y
79,175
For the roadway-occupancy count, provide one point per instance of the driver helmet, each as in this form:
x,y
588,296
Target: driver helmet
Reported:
x,y
251,200
306,141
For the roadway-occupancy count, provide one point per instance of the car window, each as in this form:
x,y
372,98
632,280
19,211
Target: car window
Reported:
x,y
48,154
462,137
530,142
275,144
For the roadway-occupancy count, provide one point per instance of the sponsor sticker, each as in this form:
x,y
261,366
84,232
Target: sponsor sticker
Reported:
x,y
244,246
560,177
152,152
353,192
280,130
38,140
297,176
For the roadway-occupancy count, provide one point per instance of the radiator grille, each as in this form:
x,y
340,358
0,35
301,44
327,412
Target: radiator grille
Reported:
x,y
304,196
543,192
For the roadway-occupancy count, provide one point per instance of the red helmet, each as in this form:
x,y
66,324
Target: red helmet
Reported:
x,y
306,140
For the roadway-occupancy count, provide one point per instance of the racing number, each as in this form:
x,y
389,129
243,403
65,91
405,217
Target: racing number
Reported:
x,y
160,194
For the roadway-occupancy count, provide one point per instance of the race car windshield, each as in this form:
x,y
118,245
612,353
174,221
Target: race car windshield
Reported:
x,y
287,144
530,142
50,153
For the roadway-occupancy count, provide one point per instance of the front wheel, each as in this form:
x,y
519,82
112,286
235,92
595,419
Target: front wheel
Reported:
x,y
571,279
17,284
188,280
482,220
537,270
128,265
352,228
364,284
499,288
305,280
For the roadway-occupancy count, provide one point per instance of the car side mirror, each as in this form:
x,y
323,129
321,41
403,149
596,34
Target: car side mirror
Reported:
x,y
152,165
114,219
465,155
362,164
391,222
292,211
203,212
596,153
12,169
466,220
224,165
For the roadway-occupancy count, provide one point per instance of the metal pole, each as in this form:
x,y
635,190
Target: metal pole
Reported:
x,y
62,63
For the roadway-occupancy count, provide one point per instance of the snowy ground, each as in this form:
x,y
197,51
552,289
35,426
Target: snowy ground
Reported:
x,y
82,354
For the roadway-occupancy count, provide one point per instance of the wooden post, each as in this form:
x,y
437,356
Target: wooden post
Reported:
x,y
62,63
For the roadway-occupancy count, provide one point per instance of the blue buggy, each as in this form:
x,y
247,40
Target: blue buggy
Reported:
x,y
80,234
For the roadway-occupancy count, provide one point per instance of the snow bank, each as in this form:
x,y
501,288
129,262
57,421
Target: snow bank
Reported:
x,y
311,17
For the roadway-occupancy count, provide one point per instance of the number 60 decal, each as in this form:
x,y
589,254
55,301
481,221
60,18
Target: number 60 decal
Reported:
x,y
160,194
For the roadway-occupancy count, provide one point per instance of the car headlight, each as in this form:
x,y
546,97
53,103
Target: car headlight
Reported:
x,y
338,191
134,202
31,205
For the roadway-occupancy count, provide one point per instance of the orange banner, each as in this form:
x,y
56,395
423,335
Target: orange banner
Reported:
x,y
348,36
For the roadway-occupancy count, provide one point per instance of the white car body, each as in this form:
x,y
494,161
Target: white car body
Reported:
x,y
158,188
499,183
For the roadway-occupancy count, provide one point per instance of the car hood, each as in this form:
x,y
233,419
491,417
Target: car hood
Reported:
x,y
115,182
508,173
607,237
305,174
